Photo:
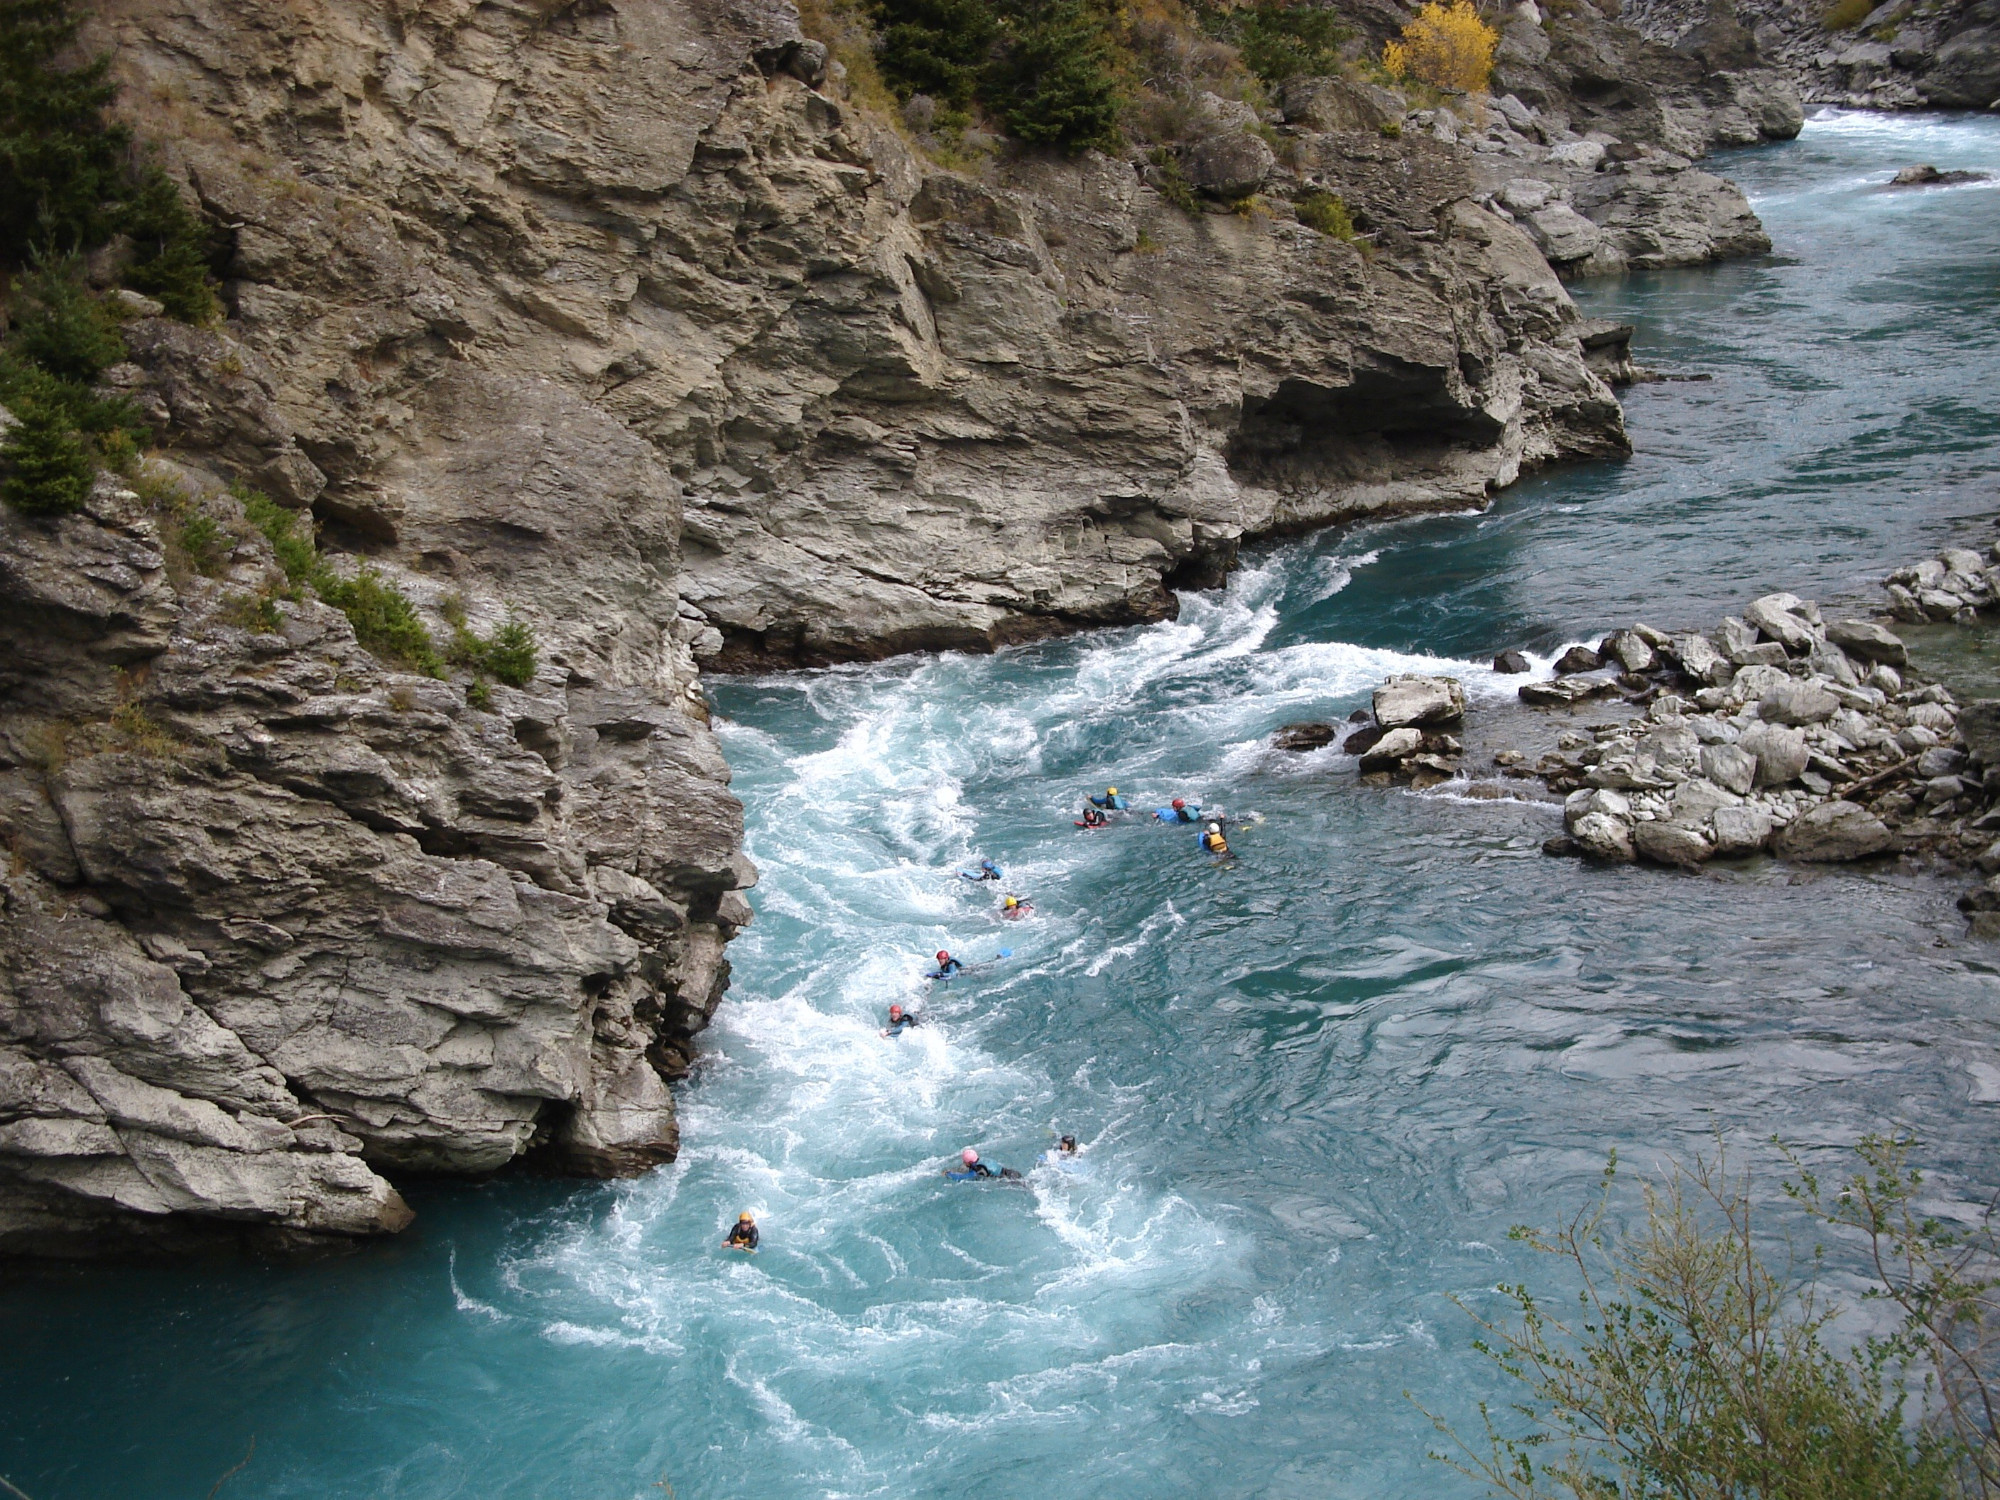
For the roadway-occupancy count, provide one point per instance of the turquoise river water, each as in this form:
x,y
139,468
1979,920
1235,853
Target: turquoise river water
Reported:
x,y
1316,1088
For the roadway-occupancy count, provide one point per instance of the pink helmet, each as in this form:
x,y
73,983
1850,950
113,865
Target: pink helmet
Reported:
x,y
942,955
968,1156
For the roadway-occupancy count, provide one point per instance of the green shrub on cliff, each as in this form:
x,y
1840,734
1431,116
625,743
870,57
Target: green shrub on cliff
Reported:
x,y
1055,82
385,621
384,618
1280,40
49,464
1048,69
59,326
937,47
67,178
1327,213
171,249
61,164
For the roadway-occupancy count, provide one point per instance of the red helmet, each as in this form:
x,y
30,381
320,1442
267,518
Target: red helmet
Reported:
x,y
1179,803
895,1011
942,955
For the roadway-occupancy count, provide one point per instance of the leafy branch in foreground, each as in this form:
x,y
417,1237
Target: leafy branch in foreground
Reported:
x,y
1946,1284
1692,1369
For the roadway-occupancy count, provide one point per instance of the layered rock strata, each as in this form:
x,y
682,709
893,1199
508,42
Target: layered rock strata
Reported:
x,y
901,407
1902,54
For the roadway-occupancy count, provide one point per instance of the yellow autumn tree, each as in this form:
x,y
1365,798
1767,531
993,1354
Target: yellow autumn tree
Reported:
x,y
1448,47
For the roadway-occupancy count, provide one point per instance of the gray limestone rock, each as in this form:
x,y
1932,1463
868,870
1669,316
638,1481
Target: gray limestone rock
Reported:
x,y
1415,698
1602,836
1730,766
1797,702
1395,747
1229,165
1781,752
1741,830
1671,843
1781,618
1833,831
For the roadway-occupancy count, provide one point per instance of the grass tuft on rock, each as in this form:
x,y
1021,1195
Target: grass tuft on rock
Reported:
x,y
385,622
1328,213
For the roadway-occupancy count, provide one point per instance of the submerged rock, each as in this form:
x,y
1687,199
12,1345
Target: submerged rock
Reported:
x,y
1303,736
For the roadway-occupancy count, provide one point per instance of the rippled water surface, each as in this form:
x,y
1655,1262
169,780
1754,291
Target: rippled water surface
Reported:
x,y
1316,1086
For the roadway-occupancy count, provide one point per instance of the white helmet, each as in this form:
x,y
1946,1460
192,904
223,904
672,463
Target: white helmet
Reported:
x,y
1215,828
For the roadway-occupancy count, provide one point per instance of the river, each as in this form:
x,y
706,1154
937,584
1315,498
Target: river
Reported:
x,y
1315,1087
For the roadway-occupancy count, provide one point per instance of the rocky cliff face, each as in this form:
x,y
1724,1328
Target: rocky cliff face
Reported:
x,y
1940,54
621,321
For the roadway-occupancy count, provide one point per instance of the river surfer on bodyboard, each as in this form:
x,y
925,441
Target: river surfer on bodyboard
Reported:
x,y
972,1169
947,966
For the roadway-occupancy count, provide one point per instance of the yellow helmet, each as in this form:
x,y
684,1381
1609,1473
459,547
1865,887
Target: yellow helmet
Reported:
x,y
1013,901
744,1217
1111,791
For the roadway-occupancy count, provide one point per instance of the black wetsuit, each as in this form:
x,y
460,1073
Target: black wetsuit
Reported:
x,y
980,1169
899,1024
744,1235
946,969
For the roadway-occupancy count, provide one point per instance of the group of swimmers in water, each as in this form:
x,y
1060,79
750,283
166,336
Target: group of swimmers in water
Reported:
x,y
1096,814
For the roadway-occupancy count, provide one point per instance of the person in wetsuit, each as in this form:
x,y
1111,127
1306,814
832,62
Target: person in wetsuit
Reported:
x,y
946,966
743,1234
1212,841
901,1020
987,871
1180,813
970,1162
1110,801
1015,907
1092,818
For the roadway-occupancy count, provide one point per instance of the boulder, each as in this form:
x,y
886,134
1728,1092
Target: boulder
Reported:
x,y
1751,683
1581,804
1512,663
1629,649
1979,727
1323,103
1741,830
1578,659
1564,690
1833,831
1671,843
1734,637
1362,740
1698,658
1697,798
1781,752
1731,767
1418,699
1829,661
1940,760
1563,234
1783,618
1395,747
1303,736
1795,702
1230,165
1601,836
